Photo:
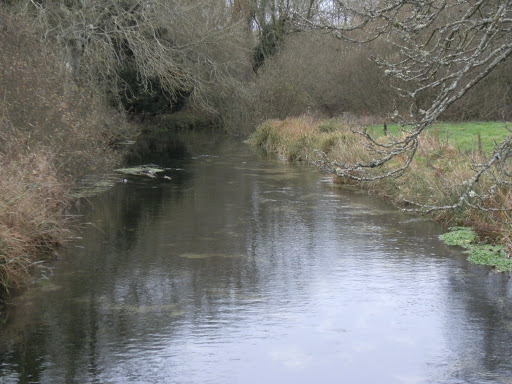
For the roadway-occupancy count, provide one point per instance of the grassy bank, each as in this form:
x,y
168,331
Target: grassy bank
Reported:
x,y
435,176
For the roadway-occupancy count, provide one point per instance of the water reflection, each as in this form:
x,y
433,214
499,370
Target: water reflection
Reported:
x,y
243,270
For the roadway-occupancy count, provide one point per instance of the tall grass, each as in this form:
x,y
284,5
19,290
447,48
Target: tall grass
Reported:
x,y
32,206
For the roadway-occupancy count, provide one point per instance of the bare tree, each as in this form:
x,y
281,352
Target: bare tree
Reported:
x,y
443,48
187,46
269,21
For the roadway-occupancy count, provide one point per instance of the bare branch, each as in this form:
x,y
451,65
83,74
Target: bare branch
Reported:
x,y
442,49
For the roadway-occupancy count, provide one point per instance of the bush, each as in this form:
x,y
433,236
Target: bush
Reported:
x,y
32,206
52,135
321,74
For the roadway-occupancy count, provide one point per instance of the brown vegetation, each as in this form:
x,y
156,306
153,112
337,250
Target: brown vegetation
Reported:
x,y
440,52
147,53
323,75
32,213
52,134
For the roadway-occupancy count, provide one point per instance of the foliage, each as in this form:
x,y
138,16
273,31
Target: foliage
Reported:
x,y
271,22
146,50
490,255
32,206
320,74
491,99
181,120
138,99
271,36
162,56
43,109
460,236
442,50
328,126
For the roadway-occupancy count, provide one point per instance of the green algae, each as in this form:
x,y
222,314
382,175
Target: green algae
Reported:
x,y
478,253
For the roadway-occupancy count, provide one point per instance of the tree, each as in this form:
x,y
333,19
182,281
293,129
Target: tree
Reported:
x,y
271,22
443,48
151,47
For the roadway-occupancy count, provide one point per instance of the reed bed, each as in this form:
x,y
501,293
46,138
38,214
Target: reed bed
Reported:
x,y
32,219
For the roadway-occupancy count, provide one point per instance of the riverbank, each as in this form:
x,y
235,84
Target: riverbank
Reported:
x,y
36,195
434,177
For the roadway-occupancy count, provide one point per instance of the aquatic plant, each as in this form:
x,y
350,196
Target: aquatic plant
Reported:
x,y
491,255
460,236
478,253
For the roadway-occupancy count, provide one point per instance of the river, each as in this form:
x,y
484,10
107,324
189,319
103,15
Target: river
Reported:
x,y
246,269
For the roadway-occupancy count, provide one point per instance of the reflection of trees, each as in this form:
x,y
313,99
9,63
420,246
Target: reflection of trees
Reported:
x,y
70,326
24,355
160,148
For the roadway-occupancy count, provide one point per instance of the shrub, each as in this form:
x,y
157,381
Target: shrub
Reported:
x,y
32,206
52,135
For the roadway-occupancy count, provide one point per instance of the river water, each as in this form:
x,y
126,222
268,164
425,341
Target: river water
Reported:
x,y
246,269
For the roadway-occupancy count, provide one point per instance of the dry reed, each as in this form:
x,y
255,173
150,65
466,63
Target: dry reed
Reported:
x,y
32,216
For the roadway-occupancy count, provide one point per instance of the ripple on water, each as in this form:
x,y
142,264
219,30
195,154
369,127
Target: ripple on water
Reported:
x,y
191,255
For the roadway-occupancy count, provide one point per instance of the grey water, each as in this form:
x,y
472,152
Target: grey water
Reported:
x,y
245,269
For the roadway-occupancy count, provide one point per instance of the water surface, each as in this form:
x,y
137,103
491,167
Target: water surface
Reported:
x,y
242,269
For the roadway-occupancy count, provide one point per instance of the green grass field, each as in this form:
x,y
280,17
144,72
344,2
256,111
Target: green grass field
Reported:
x,y
461,135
